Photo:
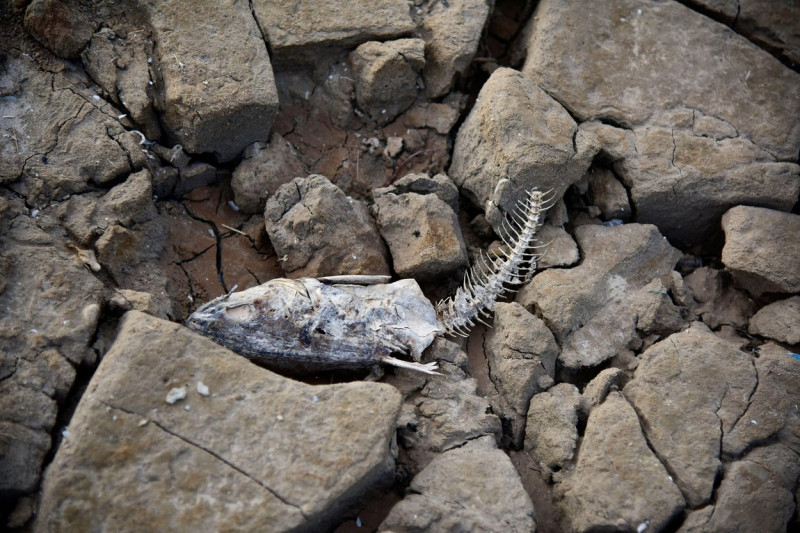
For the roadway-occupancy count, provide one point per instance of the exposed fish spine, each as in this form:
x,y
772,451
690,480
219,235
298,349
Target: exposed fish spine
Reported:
x,y
496,273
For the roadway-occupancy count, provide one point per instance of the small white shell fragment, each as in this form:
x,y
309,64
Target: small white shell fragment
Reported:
x,y
643,526
233,205
187,407
279,418
358,521
175,395
315,399
143,422
65,433
202,389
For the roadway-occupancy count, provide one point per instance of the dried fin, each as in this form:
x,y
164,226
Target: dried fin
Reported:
x,y
425,368
494,274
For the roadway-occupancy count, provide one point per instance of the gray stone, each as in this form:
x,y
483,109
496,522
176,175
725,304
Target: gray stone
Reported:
x,y
387,76
63,27
422,233
689,390
472,488
755,494
551,432
774,26
607,193
515,138
127,300
779,321
776,29
318,231
452,31
673,176
596,391
22,452
121,66
772,409
656,314
57,140
652,70
588,308
194,175
210,103
51,304
130,203
439,117
719,302
521,353
258,452
561,250
673,170
618,483
762,249
301,32
440,185
262,171
443,414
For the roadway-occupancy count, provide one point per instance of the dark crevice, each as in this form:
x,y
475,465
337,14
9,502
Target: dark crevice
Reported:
x,y
218,237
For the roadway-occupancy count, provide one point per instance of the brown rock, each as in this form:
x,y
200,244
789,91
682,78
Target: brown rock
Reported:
x,y
607,193
63,27
651,70
762,250
301,32
720,303
775,29
262,171
689,390
771,411
441,415
588,308
755,494
422,233
121,66
561,249
522,354
440,185
607,381
685,140
472,488
61,137
117,251
514,139
452,31
551,432
210,103
779,321
674,176
22,452
243,447
318,231
618,483
387,76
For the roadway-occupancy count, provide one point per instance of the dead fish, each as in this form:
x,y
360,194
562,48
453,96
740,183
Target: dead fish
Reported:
x,y
354,322
309,324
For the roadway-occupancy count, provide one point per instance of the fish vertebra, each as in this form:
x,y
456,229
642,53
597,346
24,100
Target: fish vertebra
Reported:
x,y
496,273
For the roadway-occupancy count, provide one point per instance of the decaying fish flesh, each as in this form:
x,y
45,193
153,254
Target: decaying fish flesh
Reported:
x,y
322,324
